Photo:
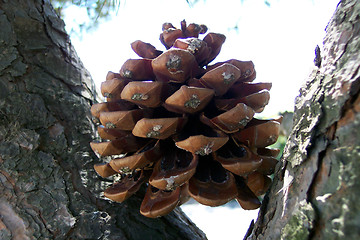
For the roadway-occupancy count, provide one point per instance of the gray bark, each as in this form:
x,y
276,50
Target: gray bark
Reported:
x,y
48,188
316,186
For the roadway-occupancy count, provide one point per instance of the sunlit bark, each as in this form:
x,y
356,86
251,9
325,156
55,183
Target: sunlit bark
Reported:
x,y
316,187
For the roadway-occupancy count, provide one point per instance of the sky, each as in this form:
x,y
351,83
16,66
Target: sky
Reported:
x,y
279,39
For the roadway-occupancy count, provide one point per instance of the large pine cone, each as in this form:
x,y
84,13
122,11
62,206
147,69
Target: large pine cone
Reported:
x,y
185,127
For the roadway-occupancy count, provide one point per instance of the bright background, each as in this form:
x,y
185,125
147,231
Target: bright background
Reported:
x,y
279,39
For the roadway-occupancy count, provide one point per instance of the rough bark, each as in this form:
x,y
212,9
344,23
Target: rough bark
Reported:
x,y
316,187
48,188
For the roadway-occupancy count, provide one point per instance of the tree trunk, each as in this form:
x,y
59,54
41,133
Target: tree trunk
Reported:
x,y
316,187
48,188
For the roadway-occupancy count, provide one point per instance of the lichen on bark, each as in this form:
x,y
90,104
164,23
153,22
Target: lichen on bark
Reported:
x,y
300,224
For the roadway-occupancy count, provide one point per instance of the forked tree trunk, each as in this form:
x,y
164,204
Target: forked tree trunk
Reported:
x,y
46,165
316,189
48,188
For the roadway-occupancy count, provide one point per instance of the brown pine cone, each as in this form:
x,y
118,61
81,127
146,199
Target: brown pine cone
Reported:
x,y
183,127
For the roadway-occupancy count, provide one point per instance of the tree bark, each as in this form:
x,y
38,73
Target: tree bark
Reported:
x,y
316,187
48,188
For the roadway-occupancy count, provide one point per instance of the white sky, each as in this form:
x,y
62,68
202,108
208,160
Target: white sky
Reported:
x,y
279,39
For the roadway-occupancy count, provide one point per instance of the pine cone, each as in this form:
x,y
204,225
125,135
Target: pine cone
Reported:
x,y
183,127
